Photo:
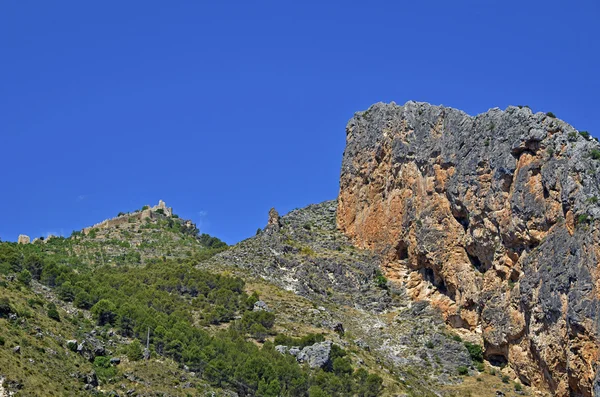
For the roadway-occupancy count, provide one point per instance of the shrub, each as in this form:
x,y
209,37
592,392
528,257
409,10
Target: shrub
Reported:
x,y
584,134
72,346
24,277
518,386
145,207
2,341
380,280
52,312
595,154
505,379
583,218
103,369
5,308
134,351
550,114
429,344
475,351
462,370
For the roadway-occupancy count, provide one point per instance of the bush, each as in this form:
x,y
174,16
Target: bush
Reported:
x,y
52,312
595,154
5,308
429,344
518,386
380,280
584,134
505,379
2,341
583,218
134,351
72,346
24,277
462,370
475,351
550,114
103,369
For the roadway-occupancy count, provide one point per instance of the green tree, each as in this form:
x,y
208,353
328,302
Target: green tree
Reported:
x,y
24,277
83,300
104,312
134,351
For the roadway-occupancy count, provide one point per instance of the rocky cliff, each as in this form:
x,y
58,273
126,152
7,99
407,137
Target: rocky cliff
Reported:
x,y
492,218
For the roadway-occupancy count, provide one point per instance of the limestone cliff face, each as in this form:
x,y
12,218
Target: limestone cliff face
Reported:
x,y
494,219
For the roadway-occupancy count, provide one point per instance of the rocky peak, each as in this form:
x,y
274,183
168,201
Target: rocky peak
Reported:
x,y
274,221
493,218
23,239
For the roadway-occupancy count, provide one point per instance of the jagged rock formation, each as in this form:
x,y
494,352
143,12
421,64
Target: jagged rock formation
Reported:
x,y
493,219
307,255
23,239
274,222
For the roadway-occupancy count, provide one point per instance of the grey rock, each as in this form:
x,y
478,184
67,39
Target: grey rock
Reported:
x,y
260,306
316,356
17,349
282,349
115,361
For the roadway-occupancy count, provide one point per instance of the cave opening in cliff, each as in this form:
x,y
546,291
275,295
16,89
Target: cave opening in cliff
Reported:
x,y
497,360
429,275
402,250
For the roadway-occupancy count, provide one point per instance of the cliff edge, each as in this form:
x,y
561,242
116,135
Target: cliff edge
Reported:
x,y
492,218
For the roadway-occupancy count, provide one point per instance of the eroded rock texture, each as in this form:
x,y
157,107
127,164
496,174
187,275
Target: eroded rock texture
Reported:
x,y
493,219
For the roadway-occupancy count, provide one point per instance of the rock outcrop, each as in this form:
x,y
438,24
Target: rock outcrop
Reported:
x,y
23,239
492,218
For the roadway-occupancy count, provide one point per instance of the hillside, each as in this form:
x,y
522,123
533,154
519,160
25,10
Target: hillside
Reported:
x,y
75,314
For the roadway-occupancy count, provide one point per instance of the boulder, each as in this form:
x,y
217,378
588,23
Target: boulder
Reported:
x,y
317,355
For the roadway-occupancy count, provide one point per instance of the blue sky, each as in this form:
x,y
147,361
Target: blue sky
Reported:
x,y
224,109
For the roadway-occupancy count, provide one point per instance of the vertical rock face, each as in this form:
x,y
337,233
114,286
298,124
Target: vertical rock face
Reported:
x,y
23,239
493,218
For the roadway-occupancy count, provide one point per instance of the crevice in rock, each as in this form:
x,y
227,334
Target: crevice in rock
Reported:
x,y
476,263
429,275
461,217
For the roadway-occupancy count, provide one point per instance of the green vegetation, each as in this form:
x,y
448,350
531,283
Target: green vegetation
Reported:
x,y
380,280
475,351
462,370
572,136
196,318
518,386
595,154
550,114
584,134
583,219
52,312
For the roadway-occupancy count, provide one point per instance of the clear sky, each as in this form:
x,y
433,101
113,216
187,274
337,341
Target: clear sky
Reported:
x,y
225,109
